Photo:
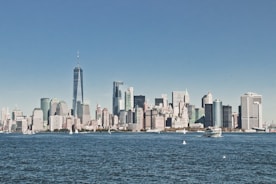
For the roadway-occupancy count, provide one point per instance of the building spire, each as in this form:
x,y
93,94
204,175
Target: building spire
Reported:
x,y
78,58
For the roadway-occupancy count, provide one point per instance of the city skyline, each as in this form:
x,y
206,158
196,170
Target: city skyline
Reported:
x,y
226,48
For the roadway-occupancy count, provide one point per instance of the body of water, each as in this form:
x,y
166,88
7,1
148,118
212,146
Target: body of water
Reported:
x,y
137,158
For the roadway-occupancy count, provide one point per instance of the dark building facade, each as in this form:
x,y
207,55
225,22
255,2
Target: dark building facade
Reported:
x,y
208,115
227,116
139,101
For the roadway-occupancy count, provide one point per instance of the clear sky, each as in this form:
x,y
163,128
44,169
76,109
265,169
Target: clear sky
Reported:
x,y
227,47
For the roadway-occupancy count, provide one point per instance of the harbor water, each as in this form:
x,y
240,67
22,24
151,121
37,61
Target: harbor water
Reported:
x,y
137,158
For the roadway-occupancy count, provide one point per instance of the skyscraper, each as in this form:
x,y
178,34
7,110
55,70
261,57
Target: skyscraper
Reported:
x,y
186,98
206,99
227,116
129,99
45,107
251,111
77,87
208,109
117,98
177,96
139,101
217,113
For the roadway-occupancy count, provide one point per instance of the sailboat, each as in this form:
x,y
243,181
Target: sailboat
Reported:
x,y
184,142
109,130
184,131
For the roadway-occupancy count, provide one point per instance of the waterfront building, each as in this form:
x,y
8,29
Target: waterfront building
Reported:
x,y
227,116
123,118
186,98
77,88
98,115
235,119
117,98
130,116
55,122
115,120
45,107
105,119
192,114
37,124
16,113
208,120
139,101
217,113
53,106
165,100
199,115
251,111
158,122
129,99
85,114
159,102
139,118
22,126
62,109
177,96
206,99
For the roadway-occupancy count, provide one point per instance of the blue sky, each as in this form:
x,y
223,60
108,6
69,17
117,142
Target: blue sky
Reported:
x,y
156,46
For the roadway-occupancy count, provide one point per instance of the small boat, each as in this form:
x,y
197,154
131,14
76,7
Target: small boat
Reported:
x,y
184,142
153,131
212,132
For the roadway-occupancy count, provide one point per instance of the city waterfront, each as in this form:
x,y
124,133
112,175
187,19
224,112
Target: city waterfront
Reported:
x,y
137,158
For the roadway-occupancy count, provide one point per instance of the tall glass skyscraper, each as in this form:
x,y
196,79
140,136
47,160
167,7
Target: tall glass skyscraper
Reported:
x,y
129,99
45,106
77,88
217,113
117,97
251,111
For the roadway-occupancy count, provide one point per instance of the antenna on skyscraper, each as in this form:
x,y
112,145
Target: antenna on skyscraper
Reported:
x,y
78,58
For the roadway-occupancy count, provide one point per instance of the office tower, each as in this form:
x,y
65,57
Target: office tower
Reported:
x,y
159,101
208,115
62,109
117,97
217,113
186,98
199,115
55,122
85,114
77,88
177,96
139,117
235,119
130,116
53,107
129,99
37,124
251,111
227,116
165,100
239,118
206,99
123,118
45,107
105,118
98,115
192,114
139,101
16,113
